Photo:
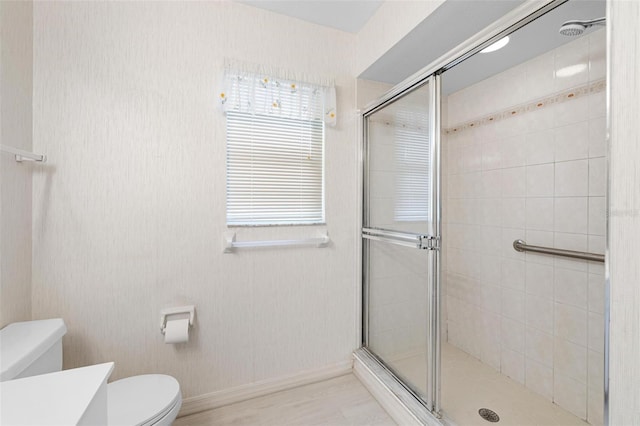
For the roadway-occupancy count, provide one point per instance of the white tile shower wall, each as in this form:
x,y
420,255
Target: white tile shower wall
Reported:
x,y
537,176
131,213
16,65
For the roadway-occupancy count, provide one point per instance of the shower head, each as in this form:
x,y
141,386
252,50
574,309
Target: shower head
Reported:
x,y
575,28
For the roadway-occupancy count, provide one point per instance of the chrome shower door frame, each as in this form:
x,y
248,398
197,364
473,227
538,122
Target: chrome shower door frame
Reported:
x,y
432,244
504,26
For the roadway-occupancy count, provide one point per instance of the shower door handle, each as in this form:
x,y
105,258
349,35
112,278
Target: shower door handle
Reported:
x,y
405,239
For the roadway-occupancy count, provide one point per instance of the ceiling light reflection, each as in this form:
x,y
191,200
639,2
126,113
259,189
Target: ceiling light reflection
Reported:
x,y
497,45
571,70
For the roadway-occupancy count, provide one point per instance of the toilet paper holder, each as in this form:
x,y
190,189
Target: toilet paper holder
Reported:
x,y
164,313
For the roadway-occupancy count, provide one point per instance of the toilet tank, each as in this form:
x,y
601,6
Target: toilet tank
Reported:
x,y
30,348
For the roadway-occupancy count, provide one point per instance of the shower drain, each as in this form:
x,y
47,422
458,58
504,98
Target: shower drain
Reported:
x,y
489,415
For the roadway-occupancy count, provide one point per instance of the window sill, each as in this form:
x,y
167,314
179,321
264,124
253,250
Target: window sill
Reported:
x,y
277,225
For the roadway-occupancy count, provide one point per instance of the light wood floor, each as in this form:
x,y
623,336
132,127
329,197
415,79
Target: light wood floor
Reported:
x,y
335,402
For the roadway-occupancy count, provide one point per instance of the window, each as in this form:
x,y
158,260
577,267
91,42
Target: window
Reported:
x,y
274,170
275,149
413,197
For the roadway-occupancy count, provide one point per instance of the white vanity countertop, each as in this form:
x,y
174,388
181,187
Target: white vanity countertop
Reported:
x,y
59,398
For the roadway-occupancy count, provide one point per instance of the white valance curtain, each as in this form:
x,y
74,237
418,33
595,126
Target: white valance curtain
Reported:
x,y
257,89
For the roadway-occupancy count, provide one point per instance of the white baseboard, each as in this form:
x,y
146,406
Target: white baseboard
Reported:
x,y
209,401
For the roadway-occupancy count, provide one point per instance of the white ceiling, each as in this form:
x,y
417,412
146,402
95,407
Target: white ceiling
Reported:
x,y
449,25
345,15
532,40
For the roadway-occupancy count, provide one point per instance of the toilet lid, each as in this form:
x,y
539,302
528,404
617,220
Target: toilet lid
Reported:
x,y
140,400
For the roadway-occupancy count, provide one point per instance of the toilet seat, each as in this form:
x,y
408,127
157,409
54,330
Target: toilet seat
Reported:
x,y
143,400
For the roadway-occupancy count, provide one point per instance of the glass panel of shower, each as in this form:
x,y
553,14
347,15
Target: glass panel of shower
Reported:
x,y
400,230
516,336
524,158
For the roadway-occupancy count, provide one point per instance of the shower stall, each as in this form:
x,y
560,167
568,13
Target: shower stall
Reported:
x,y
484,227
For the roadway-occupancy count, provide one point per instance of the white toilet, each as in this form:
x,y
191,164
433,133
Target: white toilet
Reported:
x,y
35,347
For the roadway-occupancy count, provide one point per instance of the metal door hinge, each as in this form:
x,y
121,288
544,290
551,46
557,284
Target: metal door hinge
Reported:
x,y
428,242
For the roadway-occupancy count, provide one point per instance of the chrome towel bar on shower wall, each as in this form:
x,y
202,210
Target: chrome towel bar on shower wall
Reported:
x,y
520,245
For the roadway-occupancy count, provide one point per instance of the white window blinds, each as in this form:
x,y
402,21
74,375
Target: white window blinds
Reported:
x,y
275,145
413,196
274,170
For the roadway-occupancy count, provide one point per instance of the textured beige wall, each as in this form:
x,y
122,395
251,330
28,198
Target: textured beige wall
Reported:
x,y
131,215
16,40
368,91
624,212
392,21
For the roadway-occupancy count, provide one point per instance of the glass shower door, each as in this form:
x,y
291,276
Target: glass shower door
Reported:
x,y
400,239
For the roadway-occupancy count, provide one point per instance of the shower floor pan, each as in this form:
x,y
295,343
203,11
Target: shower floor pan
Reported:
x,y
469,385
